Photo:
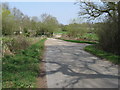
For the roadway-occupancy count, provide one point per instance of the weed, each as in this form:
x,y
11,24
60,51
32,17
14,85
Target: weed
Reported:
x,y
21,70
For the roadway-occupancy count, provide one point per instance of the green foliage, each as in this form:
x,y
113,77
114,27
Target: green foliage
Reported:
x,y
7,22
75,30
103,54
48,25
14,22
21,70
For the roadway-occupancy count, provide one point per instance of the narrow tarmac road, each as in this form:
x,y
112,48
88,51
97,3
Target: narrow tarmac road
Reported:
x,y
69,66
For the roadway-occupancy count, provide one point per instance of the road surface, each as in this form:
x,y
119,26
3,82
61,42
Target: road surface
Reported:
x,y
69,66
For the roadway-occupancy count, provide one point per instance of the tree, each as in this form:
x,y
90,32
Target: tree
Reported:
x,y
49,24
15,22
76,30
7,22
18,18
109,31
12,20
17,13
94,10
26,25
5,6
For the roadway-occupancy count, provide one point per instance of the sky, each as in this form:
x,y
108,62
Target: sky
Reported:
x,y
63,11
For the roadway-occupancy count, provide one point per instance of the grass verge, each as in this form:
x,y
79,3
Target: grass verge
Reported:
x,y
21,70
102,54
77,41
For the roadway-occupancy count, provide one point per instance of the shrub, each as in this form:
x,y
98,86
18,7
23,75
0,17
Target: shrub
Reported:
x,y
15,44
108,35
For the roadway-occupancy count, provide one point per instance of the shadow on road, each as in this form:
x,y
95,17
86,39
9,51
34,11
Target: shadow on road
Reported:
x,y
64,56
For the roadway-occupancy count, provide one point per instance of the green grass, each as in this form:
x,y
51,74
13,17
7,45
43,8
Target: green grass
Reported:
x,y
102,54
77,41
61,32
21,70
90,36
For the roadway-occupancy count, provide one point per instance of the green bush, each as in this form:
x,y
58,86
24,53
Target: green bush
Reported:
x,y
108,36
75,30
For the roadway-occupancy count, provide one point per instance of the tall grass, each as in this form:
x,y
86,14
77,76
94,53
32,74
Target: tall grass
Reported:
x,y
12,45
21,70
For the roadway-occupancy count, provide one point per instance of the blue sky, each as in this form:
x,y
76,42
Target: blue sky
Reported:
x,y
63,11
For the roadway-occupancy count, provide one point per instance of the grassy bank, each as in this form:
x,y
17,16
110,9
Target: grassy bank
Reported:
x,y
21,70
102,54
77,41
